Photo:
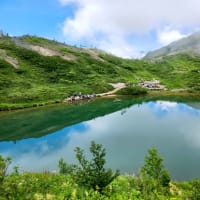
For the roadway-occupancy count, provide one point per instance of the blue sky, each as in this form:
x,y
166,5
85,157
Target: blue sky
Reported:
x,y
35,17
127,28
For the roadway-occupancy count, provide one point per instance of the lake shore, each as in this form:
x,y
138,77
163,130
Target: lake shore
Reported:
x,y
5,107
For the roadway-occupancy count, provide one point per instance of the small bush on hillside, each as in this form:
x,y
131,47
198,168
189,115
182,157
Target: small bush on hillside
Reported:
x,y
132,90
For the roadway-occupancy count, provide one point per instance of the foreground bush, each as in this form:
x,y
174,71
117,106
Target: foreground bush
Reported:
x,y
4,163
154,168
47,186
195,190
90,173
91,181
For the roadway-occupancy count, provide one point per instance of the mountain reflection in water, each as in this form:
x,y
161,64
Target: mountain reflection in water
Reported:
x,y
126,134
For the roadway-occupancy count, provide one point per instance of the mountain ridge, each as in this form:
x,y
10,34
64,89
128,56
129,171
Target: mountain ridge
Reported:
x,y
189,45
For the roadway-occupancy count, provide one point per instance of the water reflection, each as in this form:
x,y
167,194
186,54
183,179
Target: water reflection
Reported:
x,y
127,134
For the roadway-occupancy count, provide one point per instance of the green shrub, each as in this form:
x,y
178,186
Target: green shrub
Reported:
x,y
132,90
92,173
65,168
195,190
155,170
4,163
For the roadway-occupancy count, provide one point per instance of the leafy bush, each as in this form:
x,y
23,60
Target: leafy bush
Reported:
x,y
130,90
195,190
92,173
4,163
65,168
154,169
92,178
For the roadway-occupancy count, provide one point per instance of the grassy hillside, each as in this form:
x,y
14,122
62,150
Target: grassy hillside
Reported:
x,y
48,71
179,71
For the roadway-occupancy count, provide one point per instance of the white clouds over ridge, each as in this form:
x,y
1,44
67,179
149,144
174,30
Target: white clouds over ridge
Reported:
x,y
167,36
119,18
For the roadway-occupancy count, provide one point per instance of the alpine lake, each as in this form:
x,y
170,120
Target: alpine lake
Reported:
x,y
127,127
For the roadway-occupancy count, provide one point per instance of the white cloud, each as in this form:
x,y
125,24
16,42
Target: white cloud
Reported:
x,y
166,105
119,47
167,36
121,18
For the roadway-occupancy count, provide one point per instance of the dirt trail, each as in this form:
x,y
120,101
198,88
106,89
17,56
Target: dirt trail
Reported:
x,y
117,86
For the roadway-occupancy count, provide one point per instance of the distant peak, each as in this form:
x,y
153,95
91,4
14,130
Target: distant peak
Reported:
x,y
189,45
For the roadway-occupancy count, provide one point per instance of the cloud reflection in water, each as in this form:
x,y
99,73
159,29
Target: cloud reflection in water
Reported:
x,y
172,127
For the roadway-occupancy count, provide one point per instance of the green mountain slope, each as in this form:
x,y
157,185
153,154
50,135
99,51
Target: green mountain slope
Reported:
x,y
35,71
39,78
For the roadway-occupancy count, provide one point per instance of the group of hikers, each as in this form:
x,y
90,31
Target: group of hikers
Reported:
x,y
76,97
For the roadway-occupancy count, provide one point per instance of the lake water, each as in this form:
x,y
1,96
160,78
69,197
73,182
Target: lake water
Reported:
x,y
36,139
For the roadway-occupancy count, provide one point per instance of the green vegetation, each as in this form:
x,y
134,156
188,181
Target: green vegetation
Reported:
x,y
154,176
92,174
90,180
132,90
40,80
154,168
4,163
195,190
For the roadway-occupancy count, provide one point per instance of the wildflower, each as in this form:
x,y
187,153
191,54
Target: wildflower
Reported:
x,y
38,196
86,194
73,194
50,197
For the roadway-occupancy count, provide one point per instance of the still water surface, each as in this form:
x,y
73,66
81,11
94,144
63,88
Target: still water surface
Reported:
x,y
174,128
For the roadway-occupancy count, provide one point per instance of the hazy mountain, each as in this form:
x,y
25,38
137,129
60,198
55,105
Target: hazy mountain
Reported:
x,y
189,45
